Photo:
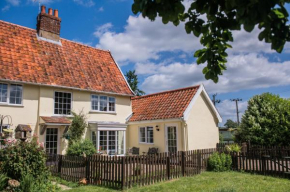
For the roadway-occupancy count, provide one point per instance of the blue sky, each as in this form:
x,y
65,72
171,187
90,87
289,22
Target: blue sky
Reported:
x,y
162,54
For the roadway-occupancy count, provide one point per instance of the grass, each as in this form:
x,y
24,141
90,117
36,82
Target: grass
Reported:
x,y
63,182
209,182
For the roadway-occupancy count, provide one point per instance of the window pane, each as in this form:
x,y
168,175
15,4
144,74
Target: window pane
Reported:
x,y
120,142
103,140
95,102
103,103
149,134
3,92
94,138
112,104
142,134
62,103
15,94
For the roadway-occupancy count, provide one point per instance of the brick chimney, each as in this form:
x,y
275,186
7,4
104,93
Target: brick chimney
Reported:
x,y
48,24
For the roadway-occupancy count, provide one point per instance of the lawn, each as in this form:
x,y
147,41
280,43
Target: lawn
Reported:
x,y
210,182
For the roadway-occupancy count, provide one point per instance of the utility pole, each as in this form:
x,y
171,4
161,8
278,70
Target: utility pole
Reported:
x,y
237,108
215,100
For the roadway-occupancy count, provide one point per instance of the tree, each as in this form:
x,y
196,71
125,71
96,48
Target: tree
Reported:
x,y
132,79
266,121
231,124
222,17
77,127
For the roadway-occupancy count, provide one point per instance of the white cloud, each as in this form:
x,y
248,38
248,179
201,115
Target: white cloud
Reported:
x,y
13,2
143,40
86,3
227,110
5,8
248,71
103,29
101,9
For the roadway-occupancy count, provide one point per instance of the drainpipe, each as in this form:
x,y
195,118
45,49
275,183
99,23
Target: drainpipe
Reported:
x,y
184,134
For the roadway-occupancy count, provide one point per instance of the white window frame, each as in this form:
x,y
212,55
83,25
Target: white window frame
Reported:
x,y
146,135
97,132
71,103
58,139
108,100
8,94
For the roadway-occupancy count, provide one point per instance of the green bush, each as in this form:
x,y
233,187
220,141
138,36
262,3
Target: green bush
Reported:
x,y
29,184
233,148
219,162
79,148
22,158
3,181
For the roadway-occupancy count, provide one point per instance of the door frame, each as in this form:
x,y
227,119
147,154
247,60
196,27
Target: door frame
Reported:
x,y
166,135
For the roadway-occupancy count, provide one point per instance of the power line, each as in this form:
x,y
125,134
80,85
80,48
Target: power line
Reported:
x,y
237,108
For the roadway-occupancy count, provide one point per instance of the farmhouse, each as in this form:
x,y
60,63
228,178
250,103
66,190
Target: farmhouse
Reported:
x,y
43,78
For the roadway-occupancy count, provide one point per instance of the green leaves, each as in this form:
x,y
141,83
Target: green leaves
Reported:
x,y
222,17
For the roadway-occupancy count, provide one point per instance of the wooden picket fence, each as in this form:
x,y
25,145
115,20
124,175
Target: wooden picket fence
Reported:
x,y
128,171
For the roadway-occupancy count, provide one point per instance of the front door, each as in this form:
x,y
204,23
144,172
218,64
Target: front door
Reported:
x,y
171,136
51,140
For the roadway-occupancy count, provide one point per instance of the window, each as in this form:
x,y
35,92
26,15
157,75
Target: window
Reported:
x,y
15,94
3,93
112,142
62,103
146,135
103,103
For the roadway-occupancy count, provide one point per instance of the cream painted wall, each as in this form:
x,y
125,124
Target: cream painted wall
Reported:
x,y
27,113
158,136
202,126
39,101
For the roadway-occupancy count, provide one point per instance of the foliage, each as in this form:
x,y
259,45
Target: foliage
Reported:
x,y
132,80
41,184
208,182
266,121
231,124
79,148
215,21
233,148
77,127
219,162
221,138
22,158
3,181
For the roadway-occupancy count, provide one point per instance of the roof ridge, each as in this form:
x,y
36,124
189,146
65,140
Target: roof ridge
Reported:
x,y
60,37
168,91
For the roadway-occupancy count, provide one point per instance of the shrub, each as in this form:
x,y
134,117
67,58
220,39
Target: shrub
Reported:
x,y
233,148
3,181
79,148
41,184
77,127
219,162
22,158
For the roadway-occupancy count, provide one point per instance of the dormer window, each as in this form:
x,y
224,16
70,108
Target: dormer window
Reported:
x,y
103,103
11,94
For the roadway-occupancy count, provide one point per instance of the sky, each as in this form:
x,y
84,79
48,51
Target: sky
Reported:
x,y
162,55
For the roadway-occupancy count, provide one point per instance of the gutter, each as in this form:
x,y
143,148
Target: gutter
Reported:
x,y
64,87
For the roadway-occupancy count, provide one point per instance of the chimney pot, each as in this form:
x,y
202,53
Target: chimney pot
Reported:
x,y
43,9
56,13
50,11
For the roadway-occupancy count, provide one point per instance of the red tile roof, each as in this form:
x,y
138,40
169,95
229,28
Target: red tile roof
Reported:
x,y
56,120
163,105
24,58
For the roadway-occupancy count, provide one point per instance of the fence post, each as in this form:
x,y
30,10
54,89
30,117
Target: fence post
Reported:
x,y
183,163
123,174
199,161
168,166
87,163
59,163
264,164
